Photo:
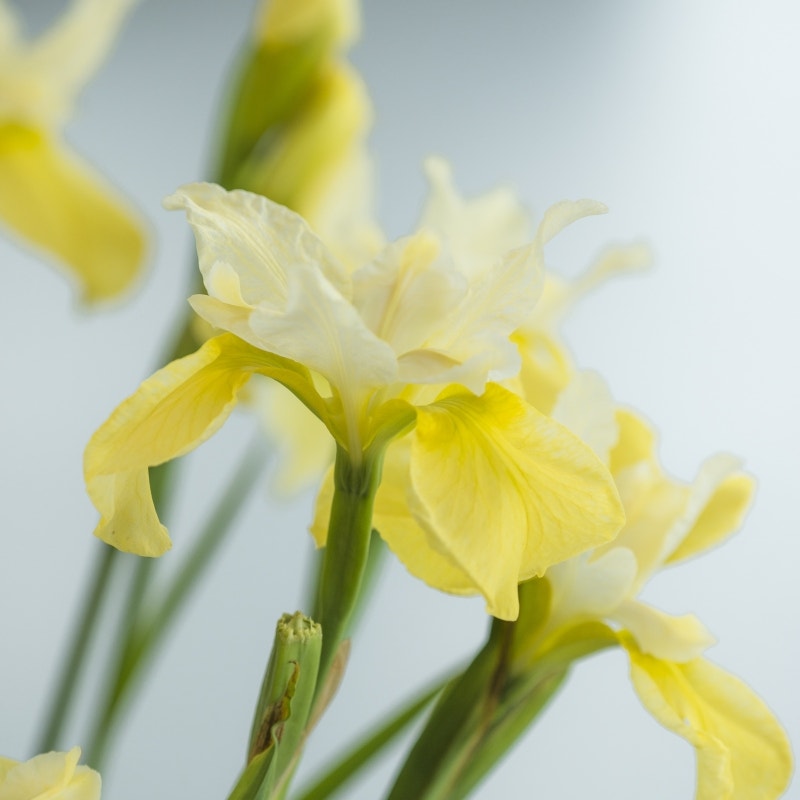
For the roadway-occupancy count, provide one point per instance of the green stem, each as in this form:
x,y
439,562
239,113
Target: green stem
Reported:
x,y
371,745
346,550
81,640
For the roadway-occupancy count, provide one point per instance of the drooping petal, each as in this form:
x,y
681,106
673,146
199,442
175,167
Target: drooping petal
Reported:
x,y
506,492
260,241
663,635
59,204
171,413
742,751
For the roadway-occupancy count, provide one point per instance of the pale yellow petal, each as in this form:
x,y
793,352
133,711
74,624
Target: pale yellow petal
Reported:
x,y
586,407
506,492
545,370
476,232
282,22
636,442
663,635
49,775
258,239
590,587
58,204
742,750
171,413
71,51
722,514
402,533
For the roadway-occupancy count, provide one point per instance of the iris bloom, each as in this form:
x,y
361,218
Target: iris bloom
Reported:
x,y
742,751
411,339
56,776
48,195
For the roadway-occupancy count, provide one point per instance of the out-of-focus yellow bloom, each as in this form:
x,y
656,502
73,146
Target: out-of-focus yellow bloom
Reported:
x,y
742,750
412,338
50,776
48,195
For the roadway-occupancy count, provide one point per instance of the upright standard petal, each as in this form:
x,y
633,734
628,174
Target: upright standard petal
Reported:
x,y
506,492
742,750
257,240
52,199
171,413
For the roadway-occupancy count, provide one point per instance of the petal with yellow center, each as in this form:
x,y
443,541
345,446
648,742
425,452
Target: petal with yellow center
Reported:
x,y
742,751
636,442
506,492
59,204
172,412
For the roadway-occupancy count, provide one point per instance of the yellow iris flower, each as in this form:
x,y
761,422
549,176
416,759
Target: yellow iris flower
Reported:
x,y
56,776
742,751
498,491
48,195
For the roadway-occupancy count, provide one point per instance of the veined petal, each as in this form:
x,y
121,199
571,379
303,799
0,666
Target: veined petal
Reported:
x,y
742,750
259,240
506,492
59,204
171,413
720,503
393,520
402,533
665,636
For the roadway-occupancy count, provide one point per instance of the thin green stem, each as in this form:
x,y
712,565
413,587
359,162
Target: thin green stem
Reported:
x,y
80,642
346,550
369,746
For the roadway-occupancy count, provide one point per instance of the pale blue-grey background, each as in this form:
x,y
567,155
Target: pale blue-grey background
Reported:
x,y
683,118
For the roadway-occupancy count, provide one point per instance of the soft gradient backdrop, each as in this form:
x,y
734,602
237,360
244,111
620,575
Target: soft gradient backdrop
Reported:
x,y
682,117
